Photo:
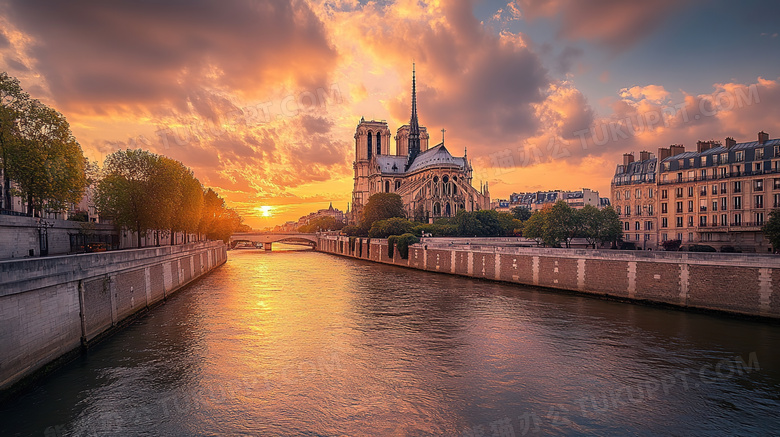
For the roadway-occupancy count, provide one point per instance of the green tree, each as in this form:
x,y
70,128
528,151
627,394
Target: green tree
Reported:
x,y
123,193
562,224
612,227
391,226
381,206
217,222
533,228
521,213
771,229
46,162
13,101
482,223
420,214
593,225
327,223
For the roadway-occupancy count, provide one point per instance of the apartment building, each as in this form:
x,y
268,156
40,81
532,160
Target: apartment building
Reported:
x,y
635,198
719,195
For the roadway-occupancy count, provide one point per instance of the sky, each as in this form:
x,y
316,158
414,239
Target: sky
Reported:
x,y
261,98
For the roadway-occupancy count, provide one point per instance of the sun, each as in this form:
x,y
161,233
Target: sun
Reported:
x,y
265,210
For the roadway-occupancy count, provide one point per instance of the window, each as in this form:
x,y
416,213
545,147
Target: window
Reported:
x,y
690,221
638,193
664,236
647,237
664,208
637,237
737,202
703,190
618,209
759,219
715,205
703,220
758,185
714,188
679,192
679,207
378,144
737,187
679,177
723,203
387,186
776,202
648,225
776,184
714,220
679,222
724,158
617,195
627,194
737,220
666,165
664,222
723,172
637,226
757,167
690,206
679,236
690,191
650,193
758,201
692,162
649,209
759,153
702,205
777,151
665,193
722,188
626,226
628,210
370,149
739,156
638,209
703,174
690,236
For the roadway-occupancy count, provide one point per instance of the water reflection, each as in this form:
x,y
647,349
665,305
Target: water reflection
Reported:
x,y
302,343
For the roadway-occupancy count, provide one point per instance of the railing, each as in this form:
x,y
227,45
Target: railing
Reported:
x,y
731,174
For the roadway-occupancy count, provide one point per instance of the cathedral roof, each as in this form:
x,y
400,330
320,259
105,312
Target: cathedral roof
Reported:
x,y
391,164
436,157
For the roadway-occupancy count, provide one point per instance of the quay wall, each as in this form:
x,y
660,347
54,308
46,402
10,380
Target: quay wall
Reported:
x,y
50,307
747,284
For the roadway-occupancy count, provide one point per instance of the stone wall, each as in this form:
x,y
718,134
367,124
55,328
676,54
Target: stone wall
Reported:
x,y
737,283
51,306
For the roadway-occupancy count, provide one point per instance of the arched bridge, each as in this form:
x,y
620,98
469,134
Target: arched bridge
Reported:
x,y
268,238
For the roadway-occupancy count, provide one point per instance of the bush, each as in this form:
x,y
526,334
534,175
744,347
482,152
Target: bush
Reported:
x,y
436,230
403,242
391,245
350,231
391,226
701,248
730,249
671,245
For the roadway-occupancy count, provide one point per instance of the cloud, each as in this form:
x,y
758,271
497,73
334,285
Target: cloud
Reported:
x,y
122,53
617,24
654,93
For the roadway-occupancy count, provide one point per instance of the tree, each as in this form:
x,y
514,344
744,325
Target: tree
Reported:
x,y
391,226
420,214
381,206
510,226
327,223
482,223
533,228
13,100
124,191
46,161
593,224
217,222
771,229
612,227
562,224
521,213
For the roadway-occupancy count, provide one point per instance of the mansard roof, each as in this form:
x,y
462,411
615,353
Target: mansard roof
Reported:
x,y
437,156
722,149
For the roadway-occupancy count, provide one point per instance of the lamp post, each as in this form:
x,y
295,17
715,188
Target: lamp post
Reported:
x,y
43,235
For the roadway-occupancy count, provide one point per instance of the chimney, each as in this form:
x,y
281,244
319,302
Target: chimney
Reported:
x,y
644,155
628,158
763,137
701,146
676,149
730,142
663,153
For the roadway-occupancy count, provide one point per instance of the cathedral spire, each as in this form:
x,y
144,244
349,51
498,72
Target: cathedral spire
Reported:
x,y
414,126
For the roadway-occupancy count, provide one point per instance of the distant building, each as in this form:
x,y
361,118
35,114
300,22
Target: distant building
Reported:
x,y
431,181
635,196
719,195
576,199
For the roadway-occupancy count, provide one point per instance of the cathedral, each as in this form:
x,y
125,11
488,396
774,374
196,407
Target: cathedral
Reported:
x,y
431,182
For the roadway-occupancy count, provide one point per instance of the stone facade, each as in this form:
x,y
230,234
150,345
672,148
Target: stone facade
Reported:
x,y
735,283
49,307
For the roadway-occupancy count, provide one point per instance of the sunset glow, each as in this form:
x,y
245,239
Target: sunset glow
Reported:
x,y
261,99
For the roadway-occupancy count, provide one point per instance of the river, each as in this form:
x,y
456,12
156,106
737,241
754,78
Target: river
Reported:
x,y
305,343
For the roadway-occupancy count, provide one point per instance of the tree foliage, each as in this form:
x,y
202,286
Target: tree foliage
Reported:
x,y
391,226
521,213
38,151
381,206
327,223
559,224
771,229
